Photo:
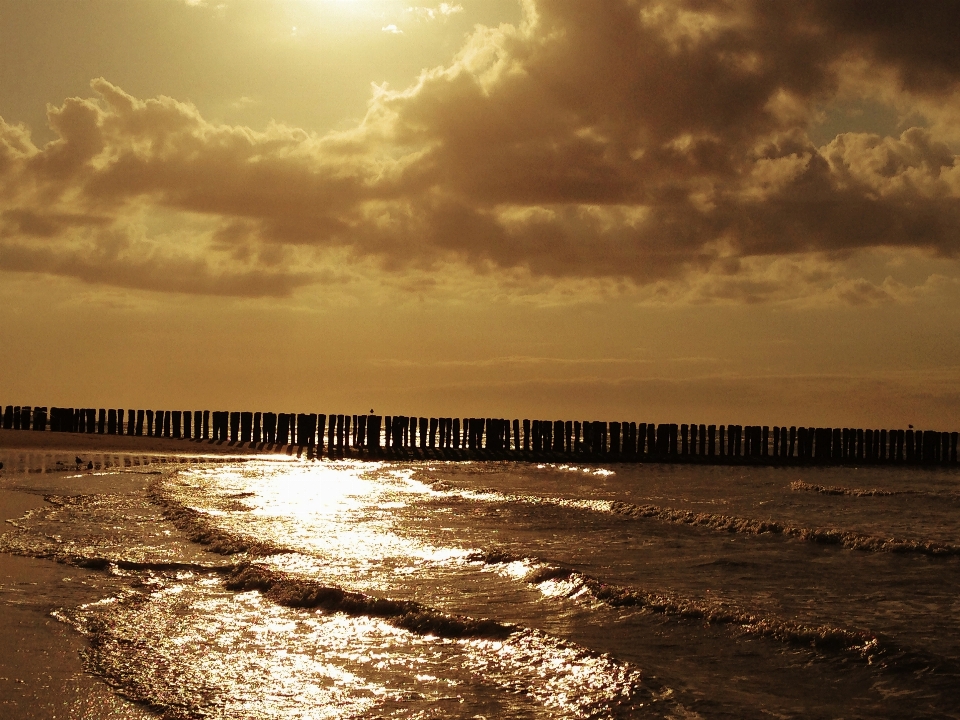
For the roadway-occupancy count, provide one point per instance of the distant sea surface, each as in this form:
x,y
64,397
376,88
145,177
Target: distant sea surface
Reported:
x,y
284,588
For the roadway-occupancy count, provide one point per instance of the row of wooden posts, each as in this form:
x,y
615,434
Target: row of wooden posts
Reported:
x,y
486,437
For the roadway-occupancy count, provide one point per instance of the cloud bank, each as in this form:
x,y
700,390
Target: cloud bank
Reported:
x,y
639,142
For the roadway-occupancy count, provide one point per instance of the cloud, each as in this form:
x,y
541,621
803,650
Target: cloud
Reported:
x,y
642,142
440,12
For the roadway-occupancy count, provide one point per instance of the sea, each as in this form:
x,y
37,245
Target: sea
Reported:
x,y
282,587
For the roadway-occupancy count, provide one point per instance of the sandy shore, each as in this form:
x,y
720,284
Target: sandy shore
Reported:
x,y
41,671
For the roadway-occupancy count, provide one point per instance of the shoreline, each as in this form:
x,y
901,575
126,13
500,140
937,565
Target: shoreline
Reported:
x,y
41,669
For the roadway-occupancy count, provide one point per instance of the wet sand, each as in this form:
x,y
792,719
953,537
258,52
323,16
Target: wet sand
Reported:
x,y
41,668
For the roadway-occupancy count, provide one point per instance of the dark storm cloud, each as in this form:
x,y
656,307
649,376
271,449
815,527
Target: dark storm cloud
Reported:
x,y
634,140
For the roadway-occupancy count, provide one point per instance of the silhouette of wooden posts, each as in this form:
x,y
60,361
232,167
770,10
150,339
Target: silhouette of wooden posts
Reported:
x,y
618,440
373,432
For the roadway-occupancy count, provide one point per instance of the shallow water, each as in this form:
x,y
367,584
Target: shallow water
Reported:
x,y
285,588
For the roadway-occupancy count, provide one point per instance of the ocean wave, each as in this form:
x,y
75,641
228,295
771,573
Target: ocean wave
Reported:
x,y
854,492
824,640
799,485
818,637
407,614
752,526
151,647
201,529
729,523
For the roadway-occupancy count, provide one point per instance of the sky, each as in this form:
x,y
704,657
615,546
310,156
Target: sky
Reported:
x,y
710,211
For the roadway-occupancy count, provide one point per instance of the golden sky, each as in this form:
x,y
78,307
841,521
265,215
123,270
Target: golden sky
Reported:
x,y
689,211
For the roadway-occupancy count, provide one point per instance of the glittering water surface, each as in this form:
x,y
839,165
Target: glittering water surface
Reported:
x,y
282,588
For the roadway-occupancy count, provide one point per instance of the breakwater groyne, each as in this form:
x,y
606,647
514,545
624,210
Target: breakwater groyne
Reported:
x,y
405,436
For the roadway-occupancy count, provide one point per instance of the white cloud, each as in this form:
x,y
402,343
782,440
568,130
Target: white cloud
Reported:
x,y
441,12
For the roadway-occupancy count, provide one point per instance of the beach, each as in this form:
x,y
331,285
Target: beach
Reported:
x,y
211,582
41,671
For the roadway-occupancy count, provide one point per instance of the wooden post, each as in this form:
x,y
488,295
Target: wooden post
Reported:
x,y
526,435
361,431
615,438
258,427
954,437
246,426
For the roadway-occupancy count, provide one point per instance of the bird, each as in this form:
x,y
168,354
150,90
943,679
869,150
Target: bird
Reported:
x,y
78,460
